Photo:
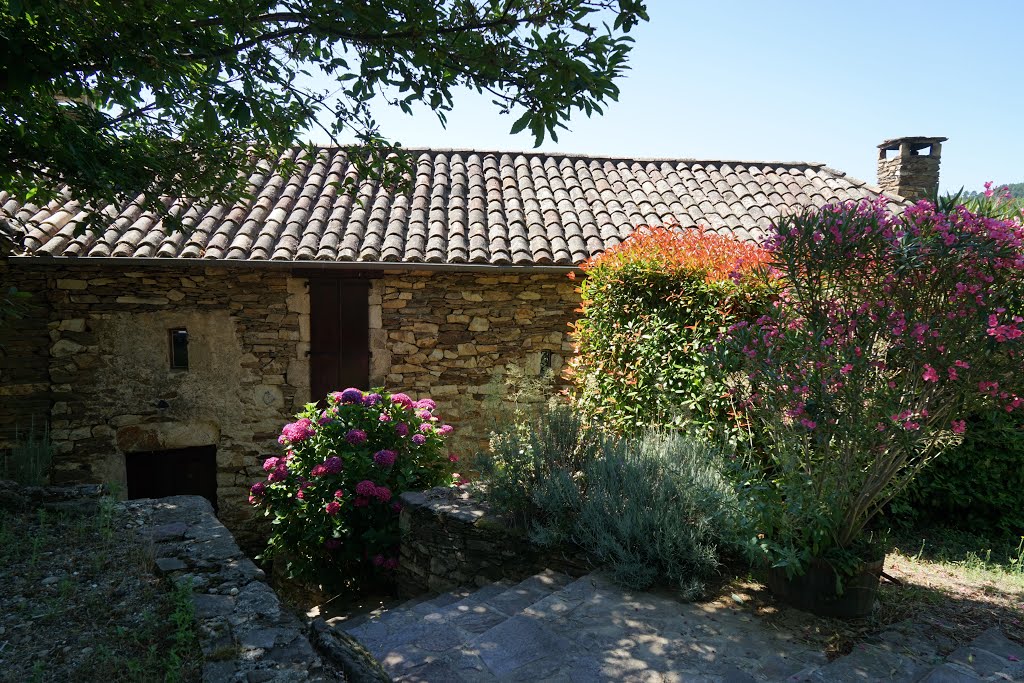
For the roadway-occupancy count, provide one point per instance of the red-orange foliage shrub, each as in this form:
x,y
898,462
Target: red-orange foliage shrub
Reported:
x,y
651,307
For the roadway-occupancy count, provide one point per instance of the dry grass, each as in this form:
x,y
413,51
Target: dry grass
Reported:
x,y
955,583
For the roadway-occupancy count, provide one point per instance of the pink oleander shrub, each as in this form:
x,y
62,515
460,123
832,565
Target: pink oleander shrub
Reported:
x,y
333,493
890,330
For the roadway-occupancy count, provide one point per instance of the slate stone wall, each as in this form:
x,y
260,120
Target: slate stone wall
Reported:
x,y
450,539
451,336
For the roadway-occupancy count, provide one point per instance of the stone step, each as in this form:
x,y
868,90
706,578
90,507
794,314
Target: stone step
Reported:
x,y
408,639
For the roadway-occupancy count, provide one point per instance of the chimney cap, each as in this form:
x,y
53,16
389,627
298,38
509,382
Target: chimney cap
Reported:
x,y
915,142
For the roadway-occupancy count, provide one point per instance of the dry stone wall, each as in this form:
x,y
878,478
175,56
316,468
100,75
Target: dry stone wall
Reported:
x,y
450,336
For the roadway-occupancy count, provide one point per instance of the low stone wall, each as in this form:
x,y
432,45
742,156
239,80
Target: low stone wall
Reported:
x,y
245,633
450,540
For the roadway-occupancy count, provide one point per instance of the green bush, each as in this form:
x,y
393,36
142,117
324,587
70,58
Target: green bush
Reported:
x,y
650,309
649,508
976,485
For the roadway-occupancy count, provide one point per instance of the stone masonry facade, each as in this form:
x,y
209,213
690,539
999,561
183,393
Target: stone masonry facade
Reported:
x,y
108,384
92,358
451,336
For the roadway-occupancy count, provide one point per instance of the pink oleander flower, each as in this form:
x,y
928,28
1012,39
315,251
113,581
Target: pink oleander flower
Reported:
x,y
300,494
356,437
958,426
270,463
298,431
333,508
402,429
333,464
419,439
366,488
452,457
810,424
930,375
385,458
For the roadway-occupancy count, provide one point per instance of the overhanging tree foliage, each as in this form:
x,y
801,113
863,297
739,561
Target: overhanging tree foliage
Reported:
x,y
111,98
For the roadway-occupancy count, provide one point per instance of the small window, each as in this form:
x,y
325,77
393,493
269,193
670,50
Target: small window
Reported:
x,y
179,349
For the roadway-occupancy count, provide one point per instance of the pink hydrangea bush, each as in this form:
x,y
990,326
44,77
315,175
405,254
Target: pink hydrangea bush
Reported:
x,y
890,329
333,494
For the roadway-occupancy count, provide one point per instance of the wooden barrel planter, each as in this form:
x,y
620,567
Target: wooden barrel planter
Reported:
x,y
815,590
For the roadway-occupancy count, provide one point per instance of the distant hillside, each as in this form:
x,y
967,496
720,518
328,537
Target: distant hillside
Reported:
x,y
1016,190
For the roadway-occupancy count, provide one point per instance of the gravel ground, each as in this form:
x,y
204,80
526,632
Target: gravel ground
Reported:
x,y
81,601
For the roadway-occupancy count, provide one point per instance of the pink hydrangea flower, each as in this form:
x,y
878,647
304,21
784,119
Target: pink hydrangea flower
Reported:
x,y
351,395
371,399
332,543
366,488
419,439
391,563
426,427
301,495
378,560
361,501
423,414
279,473
270,463
333,464
384,417
356,437
385,458
339,494
426,404
445,430
382,493
298,431
333,508
402,429
402,400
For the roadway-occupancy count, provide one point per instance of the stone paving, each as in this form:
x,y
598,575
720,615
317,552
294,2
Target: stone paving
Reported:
x,y
550,628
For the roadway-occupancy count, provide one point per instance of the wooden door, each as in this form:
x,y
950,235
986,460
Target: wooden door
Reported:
x,y
176,472
339,354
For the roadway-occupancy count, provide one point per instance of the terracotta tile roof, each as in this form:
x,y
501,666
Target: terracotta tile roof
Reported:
x,y
502,208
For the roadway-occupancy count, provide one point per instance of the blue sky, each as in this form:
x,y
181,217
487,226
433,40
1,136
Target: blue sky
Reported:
x,y
787,80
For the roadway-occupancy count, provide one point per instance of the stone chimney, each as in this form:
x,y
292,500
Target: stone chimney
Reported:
x,y
913,172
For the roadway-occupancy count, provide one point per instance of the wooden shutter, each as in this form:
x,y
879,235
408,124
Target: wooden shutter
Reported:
x,y
339,354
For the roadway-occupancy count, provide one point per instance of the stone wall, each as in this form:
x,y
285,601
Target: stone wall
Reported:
x,y
24,360
451,335
93,357
451,540
113,390
245,632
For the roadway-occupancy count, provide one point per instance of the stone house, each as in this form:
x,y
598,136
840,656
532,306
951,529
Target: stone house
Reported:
x,y
167,363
